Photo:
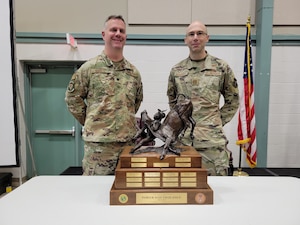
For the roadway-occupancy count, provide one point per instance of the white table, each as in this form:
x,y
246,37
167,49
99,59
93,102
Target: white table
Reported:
x,y
72,200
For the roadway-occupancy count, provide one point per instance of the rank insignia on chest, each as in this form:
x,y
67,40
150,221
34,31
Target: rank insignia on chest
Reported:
x,y
195,82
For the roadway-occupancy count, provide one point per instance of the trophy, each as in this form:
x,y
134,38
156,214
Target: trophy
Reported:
x,y
169,174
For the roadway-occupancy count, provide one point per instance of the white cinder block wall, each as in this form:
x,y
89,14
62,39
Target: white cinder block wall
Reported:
x,y
284,108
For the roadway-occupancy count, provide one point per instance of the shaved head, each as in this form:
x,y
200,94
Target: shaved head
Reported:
x,y
196,26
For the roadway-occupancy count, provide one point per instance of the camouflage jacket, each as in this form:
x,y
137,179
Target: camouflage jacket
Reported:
x,y
204,82
104,97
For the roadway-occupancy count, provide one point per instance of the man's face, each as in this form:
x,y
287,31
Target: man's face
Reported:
x,y
196,37
114,33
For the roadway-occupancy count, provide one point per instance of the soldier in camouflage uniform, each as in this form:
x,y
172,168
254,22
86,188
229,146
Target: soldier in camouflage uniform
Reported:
x,y
204,78
104,95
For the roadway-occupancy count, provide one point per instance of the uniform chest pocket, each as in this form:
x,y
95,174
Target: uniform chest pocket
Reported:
x,y
211,80
183,83
210,86
101,82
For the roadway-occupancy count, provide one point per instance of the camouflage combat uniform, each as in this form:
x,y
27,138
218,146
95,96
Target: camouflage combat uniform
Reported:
x,y
204,81
104,97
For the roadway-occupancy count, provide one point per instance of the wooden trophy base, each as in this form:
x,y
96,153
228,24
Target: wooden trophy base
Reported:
x,y
166,196
145,179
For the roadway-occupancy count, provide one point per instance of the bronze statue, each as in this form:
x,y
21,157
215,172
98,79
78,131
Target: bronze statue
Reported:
x,y
174,125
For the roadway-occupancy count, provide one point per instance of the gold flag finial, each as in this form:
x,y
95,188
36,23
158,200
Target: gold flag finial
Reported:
x,y
249,19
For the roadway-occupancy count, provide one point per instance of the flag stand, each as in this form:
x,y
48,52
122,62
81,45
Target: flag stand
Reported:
x,y
239,172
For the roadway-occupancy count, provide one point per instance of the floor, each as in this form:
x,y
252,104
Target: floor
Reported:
x,y
5,193
9,184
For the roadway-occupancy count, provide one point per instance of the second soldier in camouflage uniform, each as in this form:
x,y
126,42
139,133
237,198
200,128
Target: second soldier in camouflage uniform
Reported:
x,y
104,95
204,78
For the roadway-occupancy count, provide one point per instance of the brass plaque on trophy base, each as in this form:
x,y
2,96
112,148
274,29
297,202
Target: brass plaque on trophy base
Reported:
x,y
192,196
189,158
127,178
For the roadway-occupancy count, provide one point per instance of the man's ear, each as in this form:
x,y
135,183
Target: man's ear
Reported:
x,y
184,40
207,38
103,34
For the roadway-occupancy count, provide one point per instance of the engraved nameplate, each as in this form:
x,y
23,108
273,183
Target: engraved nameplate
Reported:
x,y
161,165
152,179
134,179
152,174
136,159
186,165
170,174
152,184
138,165
134,174
161,198
188,174
183,159
169,185
134,185
190,185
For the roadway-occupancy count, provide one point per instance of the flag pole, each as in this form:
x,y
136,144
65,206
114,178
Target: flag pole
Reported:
x,y
239,172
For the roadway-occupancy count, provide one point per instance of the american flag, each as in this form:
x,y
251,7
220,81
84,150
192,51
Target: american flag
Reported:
x,y
246,119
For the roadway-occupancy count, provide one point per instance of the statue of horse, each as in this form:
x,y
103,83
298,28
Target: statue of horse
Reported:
x,y
173,126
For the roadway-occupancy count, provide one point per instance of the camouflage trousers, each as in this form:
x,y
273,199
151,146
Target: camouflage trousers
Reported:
x,y
101,158
215,160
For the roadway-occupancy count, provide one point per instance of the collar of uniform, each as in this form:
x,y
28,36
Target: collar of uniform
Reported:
x,y
191,64
109,63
